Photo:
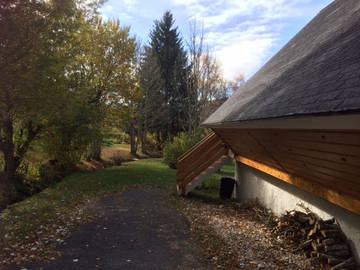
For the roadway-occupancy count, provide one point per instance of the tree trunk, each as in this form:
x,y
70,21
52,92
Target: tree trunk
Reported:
x,y
95,149
142,135
133,141
11,161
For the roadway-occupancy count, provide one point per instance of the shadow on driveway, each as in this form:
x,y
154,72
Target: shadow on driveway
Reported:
x,y
135,230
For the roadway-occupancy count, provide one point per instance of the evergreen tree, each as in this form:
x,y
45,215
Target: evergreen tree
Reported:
x,y
167,48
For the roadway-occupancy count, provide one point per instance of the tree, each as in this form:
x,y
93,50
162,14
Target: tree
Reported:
x,y
236,84
153,105
33,35
206,86
171,61
103,71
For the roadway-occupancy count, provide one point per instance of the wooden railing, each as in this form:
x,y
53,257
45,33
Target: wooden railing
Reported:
x,y
198,159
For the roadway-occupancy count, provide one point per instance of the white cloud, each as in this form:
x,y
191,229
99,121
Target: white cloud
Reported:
x,y
241,33
129,4
243,57
242,51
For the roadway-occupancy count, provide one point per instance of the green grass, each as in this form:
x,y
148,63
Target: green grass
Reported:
x,y
150,173
122,146
209,191
25,217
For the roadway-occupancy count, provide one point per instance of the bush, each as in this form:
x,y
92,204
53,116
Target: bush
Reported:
x,y
68,140
117,159
34,177
178,146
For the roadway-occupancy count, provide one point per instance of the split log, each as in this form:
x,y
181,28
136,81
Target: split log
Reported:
x,y
308,254
305,231
325,226
339,253
317,247
306,244
344,264
314,254
329,221
336,247
314,260
302,217
312,233
329,241
329,259
313,219
331,233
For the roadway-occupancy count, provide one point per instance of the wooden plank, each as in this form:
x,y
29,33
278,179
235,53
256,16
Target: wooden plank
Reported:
x,y
346,201
198,153
333,137
194,161
279,145
207,163
247,146
348,150
348,173
261,158
338,158
182,176
302,167
200,145
330,164
338,169
328,136
325,180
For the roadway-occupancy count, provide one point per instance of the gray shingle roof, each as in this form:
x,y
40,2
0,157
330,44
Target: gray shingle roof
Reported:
x,y
317,72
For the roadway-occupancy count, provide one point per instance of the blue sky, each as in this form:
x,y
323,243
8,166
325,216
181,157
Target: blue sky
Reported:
x,y
242,34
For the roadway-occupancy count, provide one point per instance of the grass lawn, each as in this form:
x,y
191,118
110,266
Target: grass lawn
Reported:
x,y
210,189
117,149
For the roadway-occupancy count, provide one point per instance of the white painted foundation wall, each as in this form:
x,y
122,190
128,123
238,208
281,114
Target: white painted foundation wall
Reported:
x,y
279,196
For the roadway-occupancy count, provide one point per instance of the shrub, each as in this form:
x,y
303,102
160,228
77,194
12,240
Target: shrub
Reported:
x,y
117,159
68,140
178,146
34,177
51,174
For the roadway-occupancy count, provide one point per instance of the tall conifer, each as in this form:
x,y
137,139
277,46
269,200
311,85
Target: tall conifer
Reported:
x,y
167,48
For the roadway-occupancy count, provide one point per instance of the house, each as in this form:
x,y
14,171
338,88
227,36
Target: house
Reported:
x,y
294,128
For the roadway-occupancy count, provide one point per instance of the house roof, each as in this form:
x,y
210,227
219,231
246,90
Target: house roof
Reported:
x,y
317,72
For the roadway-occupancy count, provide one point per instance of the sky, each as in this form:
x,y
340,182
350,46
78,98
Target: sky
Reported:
x,y
242,34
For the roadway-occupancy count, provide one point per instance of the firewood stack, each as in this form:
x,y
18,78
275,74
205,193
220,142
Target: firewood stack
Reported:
x,y
322,240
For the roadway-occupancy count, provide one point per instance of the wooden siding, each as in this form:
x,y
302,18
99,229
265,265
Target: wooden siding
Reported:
x,y
198,159
328,159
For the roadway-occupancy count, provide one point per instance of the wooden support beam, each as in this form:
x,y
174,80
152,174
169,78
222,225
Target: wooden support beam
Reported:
x,y
343,200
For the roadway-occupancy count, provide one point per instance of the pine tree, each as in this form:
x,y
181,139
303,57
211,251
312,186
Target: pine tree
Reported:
x,y
167,48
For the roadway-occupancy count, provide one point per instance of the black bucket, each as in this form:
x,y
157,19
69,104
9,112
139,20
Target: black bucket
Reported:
x,y
226,187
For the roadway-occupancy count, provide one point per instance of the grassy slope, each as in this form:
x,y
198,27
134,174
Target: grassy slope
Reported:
x,y
119,149
82,186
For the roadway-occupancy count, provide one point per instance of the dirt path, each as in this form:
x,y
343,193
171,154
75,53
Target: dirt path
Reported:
x,y
136,230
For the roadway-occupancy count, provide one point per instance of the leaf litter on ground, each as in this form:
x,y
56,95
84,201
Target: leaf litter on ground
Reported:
x,y
240,236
